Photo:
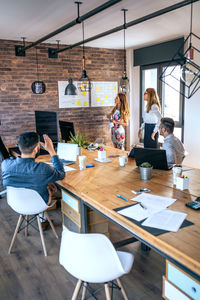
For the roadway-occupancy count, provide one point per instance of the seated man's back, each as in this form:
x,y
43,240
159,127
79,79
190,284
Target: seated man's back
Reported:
x,y
25,172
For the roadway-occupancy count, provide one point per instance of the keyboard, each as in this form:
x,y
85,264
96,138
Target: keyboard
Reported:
x,y
67,162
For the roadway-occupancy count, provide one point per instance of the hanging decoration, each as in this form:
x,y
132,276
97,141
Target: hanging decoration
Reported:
x,y
183,67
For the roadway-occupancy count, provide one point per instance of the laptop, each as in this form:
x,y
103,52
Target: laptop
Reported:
x,y
67,153
156,157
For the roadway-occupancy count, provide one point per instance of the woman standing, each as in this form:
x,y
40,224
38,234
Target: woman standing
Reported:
x,y
151,119
119,119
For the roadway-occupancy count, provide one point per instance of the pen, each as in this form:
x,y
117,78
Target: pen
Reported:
x,y
122,197
144,207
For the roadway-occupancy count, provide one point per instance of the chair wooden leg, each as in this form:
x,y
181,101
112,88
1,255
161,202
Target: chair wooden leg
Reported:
x,y
41,235
77,289
51,224
84,290
122,289
26,229
15,233
107,291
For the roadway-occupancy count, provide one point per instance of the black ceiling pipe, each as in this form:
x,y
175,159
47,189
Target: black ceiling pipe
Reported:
x,y
132,23
72,23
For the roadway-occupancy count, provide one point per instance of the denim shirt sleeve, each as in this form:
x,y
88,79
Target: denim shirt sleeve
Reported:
x,y
57,172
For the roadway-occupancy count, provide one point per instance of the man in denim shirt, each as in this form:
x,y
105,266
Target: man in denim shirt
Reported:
x,y
25,172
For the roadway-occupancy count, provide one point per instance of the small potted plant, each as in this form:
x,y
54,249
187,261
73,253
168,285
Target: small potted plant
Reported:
x,y
145,171
80,140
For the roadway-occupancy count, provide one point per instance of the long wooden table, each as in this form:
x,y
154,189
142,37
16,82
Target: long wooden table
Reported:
x,y
97,188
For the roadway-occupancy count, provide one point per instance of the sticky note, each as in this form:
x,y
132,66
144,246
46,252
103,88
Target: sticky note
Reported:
x,y
98,99
78,102
102,102
97,89
106,96
114,88
85,103
84,93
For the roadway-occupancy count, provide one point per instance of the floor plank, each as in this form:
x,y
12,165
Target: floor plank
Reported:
x,y
26,274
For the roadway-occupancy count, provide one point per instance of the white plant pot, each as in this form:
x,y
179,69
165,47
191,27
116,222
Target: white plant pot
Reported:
x,y
79,151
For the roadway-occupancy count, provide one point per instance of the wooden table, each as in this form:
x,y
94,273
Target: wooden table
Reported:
x,y
97,188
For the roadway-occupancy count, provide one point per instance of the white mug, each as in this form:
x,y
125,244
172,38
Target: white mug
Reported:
x,y
82,162
123,161
177,170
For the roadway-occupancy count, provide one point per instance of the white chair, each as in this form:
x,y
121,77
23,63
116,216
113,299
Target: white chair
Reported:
x,y
92,259
27,203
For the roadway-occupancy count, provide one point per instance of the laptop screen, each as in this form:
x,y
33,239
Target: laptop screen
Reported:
x,y
156,157
67,151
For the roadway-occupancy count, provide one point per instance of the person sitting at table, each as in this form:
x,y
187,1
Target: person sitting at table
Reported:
x,y
175,151
25,172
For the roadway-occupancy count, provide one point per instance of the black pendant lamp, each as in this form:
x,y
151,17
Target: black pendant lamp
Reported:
x,y
84,84
124,82
38,87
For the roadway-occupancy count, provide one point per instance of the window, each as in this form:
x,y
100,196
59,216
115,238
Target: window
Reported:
x,y
171,101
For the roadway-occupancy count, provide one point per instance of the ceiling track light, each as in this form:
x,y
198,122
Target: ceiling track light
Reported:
x,y
124,82
186,69
38,87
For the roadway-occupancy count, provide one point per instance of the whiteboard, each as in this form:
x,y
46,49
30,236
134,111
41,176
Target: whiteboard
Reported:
x,y
67,101
103,93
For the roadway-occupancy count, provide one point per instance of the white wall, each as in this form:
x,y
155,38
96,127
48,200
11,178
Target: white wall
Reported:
x,y
191,115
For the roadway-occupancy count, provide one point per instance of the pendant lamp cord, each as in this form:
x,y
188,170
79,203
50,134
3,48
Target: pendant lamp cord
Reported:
x,y
37,64
124,10
83,45
191,22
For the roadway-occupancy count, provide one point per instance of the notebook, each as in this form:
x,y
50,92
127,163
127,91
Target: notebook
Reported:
x,y
67,153
156,157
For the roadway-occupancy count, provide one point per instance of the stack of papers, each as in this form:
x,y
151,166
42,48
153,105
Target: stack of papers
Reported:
x,y
66,168
153,208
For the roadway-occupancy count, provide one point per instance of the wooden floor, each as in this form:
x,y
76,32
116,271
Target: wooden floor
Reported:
x,y
27,275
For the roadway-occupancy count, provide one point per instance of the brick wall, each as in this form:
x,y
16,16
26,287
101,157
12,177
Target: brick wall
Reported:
x,y
18,103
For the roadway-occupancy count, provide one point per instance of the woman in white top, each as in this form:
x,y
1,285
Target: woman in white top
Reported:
x,y
119,117
151,119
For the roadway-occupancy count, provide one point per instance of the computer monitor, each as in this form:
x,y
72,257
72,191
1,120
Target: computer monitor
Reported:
x,y
65,129
156,157
46,122
3,151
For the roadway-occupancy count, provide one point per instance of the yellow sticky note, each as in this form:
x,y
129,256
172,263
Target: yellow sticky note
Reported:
x,y
97,89
84,93
78,102
106,96
98,99
85,103
102,102
114,88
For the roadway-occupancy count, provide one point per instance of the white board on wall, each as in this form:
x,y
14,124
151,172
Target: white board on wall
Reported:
x,y
103,93
66,101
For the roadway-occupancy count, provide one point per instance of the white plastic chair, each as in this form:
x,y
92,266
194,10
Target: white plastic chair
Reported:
x,y
28,202
92,259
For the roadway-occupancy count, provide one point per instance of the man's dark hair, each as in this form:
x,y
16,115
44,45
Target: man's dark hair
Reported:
x,y
168,124
27,142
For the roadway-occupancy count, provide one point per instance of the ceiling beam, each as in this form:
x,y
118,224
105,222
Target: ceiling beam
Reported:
x,y
129,24
78,20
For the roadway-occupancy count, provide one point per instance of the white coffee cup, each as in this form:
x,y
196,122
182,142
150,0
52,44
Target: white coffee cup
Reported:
x,y
82,162
123,161
177,171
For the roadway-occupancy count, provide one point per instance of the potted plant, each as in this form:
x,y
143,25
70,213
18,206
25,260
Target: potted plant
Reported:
x,y
80,140
145,171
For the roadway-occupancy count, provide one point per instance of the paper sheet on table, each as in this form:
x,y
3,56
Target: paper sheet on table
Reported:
x,y
166,219
137,212
154,201
66,168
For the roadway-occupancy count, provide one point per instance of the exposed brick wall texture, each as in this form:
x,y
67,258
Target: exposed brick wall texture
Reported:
x,y
18,103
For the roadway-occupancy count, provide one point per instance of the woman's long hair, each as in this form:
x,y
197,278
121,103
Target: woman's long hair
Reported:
x,y
152,98
124,107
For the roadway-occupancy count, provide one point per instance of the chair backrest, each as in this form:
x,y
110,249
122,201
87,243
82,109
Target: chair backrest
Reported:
x,y
89,257
25,201
3,151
